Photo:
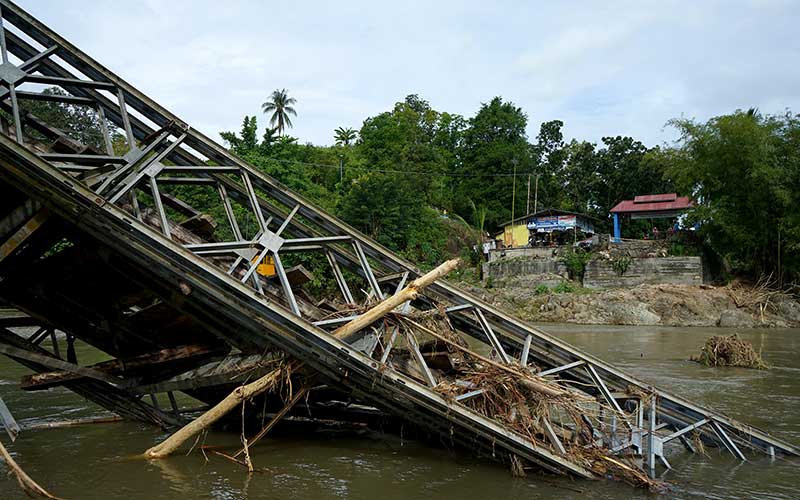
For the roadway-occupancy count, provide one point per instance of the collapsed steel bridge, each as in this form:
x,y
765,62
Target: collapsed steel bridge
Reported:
x,y
97,244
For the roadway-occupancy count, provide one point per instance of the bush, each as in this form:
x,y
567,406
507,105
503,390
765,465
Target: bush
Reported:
x,y
564,287
541,289
576,260
621,264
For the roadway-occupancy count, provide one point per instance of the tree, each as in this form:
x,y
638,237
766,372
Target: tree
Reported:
x,y
281,106
79,122
493,145
743,170
417,140
246,141
550,154
578,178
344,136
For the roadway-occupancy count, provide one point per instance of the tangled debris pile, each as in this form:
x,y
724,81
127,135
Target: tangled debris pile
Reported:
x,y
544,412
721,350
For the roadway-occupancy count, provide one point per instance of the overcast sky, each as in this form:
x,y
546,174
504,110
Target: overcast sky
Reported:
x,y
604,68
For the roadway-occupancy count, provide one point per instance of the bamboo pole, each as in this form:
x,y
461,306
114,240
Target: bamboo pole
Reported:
x,y
245,392
26,483
231,401
410,292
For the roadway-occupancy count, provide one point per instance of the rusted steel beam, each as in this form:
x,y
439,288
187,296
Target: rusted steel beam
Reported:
x,y
16,240
101,393
150,361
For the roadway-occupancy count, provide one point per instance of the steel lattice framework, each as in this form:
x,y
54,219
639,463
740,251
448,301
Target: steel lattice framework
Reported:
x,y
125,206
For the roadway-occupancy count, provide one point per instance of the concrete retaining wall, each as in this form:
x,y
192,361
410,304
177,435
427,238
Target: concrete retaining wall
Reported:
x,y
513,253
509,268
600,273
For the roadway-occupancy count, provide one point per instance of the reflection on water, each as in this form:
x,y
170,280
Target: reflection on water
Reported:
x,y
98,461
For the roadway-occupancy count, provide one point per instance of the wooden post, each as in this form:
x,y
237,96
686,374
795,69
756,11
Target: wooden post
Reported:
x,y
245,392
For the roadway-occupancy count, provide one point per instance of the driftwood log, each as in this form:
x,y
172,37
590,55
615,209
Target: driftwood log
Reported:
x,y
248,391
26,483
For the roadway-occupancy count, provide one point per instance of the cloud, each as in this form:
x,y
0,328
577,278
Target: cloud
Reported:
x,y
603,68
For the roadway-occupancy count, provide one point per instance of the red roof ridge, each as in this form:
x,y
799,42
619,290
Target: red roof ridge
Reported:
x,y
654,203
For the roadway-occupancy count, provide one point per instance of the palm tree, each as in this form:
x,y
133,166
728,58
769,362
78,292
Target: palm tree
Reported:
x,y
280,104
344,136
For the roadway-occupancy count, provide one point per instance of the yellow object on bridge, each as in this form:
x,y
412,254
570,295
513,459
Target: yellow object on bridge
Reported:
x,y
266,267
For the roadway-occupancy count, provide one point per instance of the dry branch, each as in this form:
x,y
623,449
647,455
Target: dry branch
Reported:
x,y
526,379
720,350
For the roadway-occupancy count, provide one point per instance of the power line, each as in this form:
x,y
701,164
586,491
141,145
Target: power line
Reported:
x,y
390,171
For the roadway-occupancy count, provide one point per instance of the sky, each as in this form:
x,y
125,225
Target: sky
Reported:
x,y
603,68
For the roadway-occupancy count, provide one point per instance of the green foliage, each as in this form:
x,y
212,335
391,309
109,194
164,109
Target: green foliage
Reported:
x,y
684,244
79,122
471,257
281,106
564,287
416,142
677,249
410,173
744,171
323,282
541,289
494,145
344,136
575,259
408,166
621,264
582,177
246,141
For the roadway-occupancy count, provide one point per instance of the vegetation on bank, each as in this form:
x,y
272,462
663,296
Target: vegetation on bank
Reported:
x,y
412,172
426,182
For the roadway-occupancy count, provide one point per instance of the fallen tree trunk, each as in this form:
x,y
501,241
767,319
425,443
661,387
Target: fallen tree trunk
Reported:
x,y
26,483
231,401
245,392
408,293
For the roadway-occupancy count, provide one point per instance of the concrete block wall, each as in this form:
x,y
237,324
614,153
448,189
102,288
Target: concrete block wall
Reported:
x,y
513,253
600,273
509,268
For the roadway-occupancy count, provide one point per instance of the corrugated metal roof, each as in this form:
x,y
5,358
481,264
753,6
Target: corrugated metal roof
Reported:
x,y
649,204
650,198
548,211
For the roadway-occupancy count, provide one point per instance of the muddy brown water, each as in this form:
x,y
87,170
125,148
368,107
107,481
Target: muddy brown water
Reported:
x,y
95,461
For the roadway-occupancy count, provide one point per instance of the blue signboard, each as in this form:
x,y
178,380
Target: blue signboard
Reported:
x,y
550,223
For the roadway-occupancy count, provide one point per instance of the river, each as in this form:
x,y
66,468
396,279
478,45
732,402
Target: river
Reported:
x,y
96,461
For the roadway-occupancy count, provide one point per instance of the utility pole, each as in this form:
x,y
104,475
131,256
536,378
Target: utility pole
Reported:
x,y
513,200
536,195
341,167
528,200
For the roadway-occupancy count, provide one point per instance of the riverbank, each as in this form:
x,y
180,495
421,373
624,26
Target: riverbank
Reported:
x,y
650,305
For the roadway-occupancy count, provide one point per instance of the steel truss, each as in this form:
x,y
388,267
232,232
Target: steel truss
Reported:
x,y
125,202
